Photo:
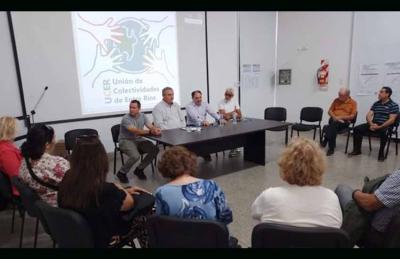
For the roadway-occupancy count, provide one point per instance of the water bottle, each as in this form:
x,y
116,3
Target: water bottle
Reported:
x,y
221,120
234,117
198,122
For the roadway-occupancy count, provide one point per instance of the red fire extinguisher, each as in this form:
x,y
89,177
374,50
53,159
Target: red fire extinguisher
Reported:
x,y
323,73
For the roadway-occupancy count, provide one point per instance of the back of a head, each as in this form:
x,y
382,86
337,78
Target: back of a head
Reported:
x,y
88,170
8,127
37,138
302,163
177,161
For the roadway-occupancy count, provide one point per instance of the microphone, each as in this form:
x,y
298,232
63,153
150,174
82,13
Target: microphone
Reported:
x,y
20,118
21,137
33,112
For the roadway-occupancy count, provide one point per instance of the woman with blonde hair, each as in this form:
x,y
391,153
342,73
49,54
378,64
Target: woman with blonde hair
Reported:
x,y
10,156
304,202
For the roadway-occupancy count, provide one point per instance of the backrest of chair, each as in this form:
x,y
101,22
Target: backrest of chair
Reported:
x,y
172,232
311,114
70,136
28,196
115,133
68,228
266,235
5,187
275,113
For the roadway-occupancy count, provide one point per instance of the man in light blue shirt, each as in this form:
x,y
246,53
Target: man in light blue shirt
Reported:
x,y
197,111
197,115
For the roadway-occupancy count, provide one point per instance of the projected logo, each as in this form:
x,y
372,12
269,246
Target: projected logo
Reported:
x,y
128,46
124,55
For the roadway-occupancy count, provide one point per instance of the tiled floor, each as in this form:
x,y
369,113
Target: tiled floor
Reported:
x,y
241,182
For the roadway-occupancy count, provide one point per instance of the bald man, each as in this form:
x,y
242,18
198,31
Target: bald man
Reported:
x,y
342,111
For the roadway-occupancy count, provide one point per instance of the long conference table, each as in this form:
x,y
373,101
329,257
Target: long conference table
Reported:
x,y
248,133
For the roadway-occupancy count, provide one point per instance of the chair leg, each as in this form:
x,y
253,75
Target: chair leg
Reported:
x,y
152,167
298,133
387,147
369,140
291,133
115,160
347,142
36,233
13,218
122,158
320,134
286,136
315,132
21,235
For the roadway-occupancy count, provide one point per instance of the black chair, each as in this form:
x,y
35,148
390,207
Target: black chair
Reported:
x,y
349,130
115,136
392,130
28,198
68,228
172,232
8,196
70,137
309,114
277,114
266,235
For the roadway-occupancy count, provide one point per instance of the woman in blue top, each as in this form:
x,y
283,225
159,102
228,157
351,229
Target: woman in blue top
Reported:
x,y
186,196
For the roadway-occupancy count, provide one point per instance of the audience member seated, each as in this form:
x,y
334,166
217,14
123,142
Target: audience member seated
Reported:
x,y
10,156
342,111
186,196
167,114
304,202
382,114
379,203
104,205
47,168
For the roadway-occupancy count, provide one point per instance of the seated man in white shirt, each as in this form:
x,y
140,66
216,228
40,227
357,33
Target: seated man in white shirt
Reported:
x,y
167,114
228,107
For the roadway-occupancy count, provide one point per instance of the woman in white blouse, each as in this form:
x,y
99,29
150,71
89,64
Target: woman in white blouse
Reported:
x,y
304,202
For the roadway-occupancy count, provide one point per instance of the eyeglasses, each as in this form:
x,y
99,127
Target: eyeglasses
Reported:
x,y
228,94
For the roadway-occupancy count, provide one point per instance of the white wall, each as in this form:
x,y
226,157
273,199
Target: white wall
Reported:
x,y
10,104
325,35
257,46
222,53
376,40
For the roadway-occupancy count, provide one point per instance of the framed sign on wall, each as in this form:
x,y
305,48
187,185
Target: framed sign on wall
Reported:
x,y
285,76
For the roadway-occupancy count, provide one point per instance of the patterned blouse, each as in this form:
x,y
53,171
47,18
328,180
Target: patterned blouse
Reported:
x,y
202,199
50,169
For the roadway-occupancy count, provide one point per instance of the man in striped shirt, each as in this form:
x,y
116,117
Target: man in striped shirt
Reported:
x,y
383,204
382,114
